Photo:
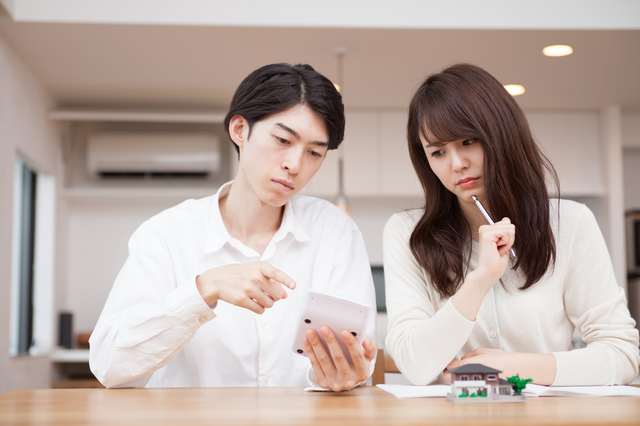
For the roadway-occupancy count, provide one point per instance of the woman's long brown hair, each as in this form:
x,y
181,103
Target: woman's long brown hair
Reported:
x,y
463,102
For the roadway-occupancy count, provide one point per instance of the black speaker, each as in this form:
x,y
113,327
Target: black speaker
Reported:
x,y
65,330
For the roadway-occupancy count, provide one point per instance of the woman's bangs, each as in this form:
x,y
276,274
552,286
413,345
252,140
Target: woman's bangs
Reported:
x,y
443,122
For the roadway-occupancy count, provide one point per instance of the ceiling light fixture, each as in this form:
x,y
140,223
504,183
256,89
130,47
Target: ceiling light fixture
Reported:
x,y
557,50
341,199
515,89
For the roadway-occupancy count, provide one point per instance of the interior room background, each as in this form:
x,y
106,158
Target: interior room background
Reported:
x,y
165,71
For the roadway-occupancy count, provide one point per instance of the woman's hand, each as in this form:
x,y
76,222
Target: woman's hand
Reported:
x,y
495,241
493,258
539,367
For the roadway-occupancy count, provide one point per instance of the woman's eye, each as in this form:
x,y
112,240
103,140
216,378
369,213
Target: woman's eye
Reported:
x,y
437,154
468,141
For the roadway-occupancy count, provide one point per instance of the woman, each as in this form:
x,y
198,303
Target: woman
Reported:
x,y
455,293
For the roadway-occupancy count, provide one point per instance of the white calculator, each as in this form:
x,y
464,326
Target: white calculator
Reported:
x,y
319,309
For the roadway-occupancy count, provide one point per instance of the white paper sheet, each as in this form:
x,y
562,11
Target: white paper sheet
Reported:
x,y
538,390
440,391
409,391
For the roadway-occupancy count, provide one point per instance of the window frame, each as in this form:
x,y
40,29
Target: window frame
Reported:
x,y
31,317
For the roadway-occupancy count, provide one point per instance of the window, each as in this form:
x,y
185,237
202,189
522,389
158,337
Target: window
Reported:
x,y
492,377
477,377
32,261
464,377
24,199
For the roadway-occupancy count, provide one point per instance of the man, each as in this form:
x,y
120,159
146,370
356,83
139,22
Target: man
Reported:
x,y
210,293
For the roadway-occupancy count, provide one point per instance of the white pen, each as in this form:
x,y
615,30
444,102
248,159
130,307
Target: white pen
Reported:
x,y
486,215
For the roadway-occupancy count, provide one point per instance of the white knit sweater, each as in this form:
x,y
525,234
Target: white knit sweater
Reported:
x,y
425,332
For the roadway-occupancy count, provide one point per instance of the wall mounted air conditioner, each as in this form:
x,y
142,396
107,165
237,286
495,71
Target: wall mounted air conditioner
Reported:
x,y
143,154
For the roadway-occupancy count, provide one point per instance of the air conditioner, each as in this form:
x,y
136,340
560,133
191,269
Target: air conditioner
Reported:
x,y
144,154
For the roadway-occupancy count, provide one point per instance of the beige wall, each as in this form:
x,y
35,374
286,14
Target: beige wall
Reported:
x,y
24,130
631,159
99,226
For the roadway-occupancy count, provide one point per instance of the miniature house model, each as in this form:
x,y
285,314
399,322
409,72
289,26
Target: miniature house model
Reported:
x,y
478,383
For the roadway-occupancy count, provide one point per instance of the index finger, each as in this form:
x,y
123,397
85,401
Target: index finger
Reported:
x,y
276,275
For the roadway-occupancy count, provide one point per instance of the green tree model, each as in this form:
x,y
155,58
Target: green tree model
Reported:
x,y
518,383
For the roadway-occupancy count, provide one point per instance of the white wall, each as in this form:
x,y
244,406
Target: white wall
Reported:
x,y
99,226
631,130
631,168
97,234
631,177
24,131
631,160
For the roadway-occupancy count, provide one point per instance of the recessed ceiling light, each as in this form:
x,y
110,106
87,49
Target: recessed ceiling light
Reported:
x,y
514,89
557,50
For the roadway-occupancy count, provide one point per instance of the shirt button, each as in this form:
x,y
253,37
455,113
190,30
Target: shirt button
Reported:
x,y
266,379
265,325
493,334
202,319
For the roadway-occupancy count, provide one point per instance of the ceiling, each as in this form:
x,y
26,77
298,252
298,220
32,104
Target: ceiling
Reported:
x,y
199,67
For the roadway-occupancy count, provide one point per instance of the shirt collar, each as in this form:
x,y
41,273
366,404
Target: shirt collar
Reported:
x,y
291,224
218,235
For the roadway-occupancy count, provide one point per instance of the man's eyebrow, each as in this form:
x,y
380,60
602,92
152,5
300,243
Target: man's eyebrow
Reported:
x,y
288,129
297,135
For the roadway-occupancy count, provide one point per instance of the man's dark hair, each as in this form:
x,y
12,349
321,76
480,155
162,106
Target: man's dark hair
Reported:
x,y
276,88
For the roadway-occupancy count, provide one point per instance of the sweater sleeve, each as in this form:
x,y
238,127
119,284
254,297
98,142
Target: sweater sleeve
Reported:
x,y
597,306
421,339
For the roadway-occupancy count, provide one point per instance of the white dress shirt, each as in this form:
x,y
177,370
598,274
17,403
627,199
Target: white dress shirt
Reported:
x,y
580,291
157,331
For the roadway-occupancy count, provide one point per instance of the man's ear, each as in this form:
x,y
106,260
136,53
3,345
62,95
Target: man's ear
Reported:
x,y
238,130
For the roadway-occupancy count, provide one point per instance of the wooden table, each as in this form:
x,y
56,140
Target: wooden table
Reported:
x,y
250,406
